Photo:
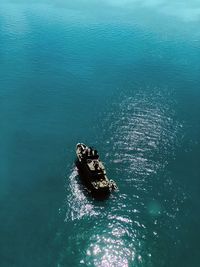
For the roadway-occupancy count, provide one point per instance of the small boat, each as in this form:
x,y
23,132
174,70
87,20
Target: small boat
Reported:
x,y
92,171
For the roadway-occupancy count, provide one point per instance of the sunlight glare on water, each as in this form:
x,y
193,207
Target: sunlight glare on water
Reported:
x,y
139,129
122,76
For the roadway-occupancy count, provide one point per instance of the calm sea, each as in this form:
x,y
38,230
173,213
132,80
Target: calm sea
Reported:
x,y
123,76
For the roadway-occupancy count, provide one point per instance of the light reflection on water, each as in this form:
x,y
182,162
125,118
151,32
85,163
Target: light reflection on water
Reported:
x,y
142,133
137,134
143,128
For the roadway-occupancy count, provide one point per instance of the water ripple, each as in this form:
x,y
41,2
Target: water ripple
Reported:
x,y
142,133
79,204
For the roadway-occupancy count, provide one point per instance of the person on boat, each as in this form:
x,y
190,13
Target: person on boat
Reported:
x,y
96,165
94,154
85,153
89,152
81,149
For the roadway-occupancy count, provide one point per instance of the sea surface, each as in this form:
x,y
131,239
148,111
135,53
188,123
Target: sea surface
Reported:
x,y
124,77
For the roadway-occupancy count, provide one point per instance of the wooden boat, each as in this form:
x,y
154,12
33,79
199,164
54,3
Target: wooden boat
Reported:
x,y
92,171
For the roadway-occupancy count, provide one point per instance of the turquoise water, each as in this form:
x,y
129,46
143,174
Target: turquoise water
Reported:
x,y
123,76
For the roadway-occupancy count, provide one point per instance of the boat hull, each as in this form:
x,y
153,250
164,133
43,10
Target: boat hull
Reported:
x,y
86,178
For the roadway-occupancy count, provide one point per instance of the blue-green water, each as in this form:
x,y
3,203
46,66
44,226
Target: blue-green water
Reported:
x,y
123,76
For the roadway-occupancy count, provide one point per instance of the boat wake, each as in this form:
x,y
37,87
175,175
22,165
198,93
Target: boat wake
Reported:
x,y
78,204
